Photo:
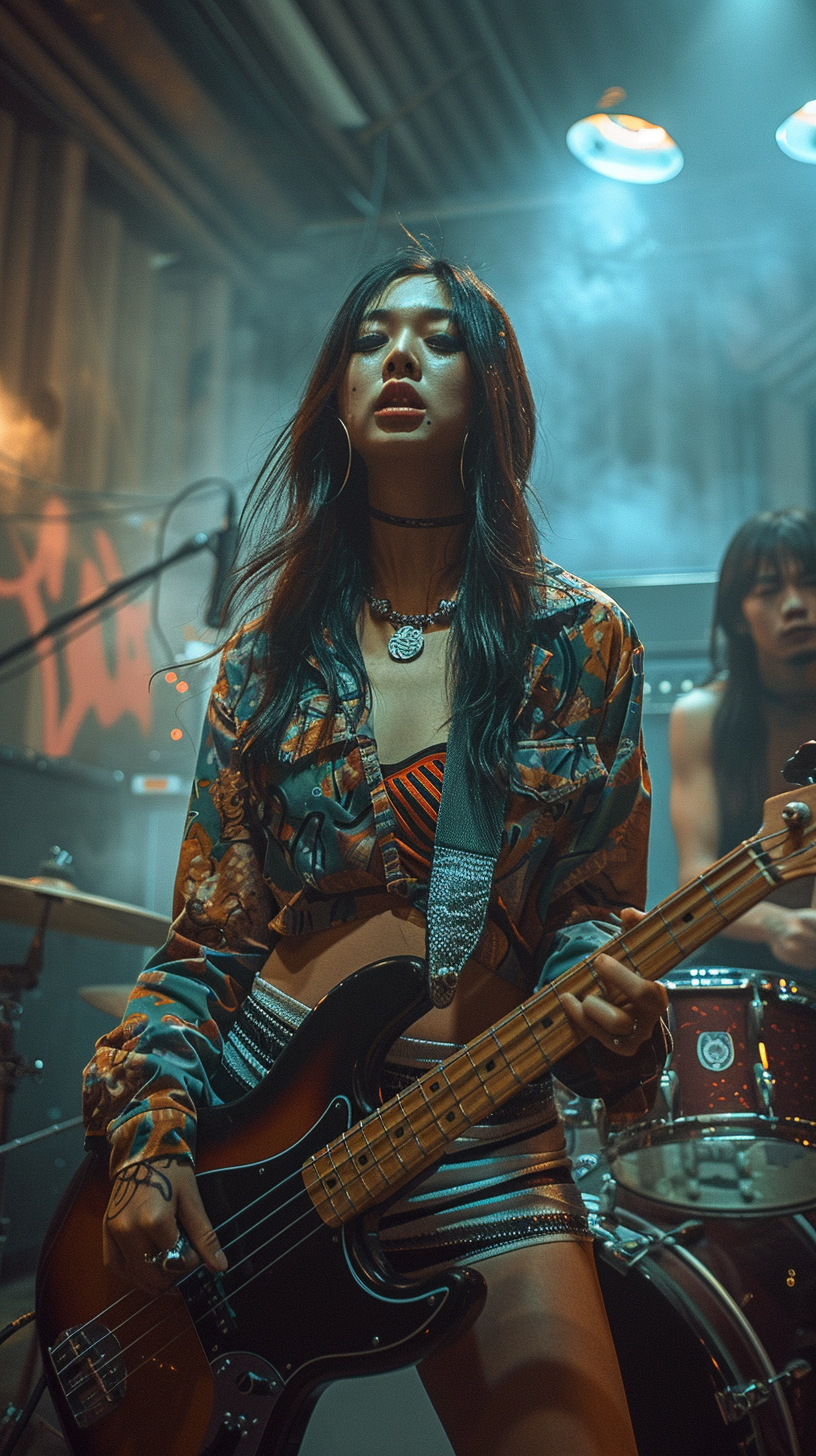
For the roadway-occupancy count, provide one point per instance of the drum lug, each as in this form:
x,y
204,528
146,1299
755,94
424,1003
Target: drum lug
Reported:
x,y
736,1402
669,1091
764,1082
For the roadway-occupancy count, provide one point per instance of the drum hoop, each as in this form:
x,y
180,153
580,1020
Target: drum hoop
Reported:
x,y
747,1125
777,985
684,1306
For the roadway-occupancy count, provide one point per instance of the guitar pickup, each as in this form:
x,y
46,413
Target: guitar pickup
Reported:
x,y
89,1365
208,1304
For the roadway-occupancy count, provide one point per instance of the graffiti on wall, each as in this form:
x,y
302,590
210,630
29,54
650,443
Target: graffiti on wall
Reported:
x,y
105,669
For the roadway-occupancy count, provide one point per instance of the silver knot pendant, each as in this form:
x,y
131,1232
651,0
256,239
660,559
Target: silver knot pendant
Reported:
x,y
406,644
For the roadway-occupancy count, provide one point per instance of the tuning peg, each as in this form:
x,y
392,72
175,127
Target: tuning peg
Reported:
x,y
801,769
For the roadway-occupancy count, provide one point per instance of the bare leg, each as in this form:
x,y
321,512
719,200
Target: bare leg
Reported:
x,y
537,1374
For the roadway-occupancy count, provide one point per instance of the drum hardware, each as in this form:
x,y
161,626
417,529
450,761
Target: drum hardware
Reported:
x,y
733,1130
50,901
629,1247
737,1401
669,1093
673,1309
764,1082
582,1165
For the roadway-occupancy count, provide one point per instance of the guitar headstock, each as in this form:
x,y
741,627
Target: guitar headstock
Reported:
x,y
788,833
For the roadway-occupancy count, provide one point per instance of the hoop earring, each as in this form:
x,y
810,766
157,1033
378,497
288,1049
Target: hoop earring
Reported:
x,y
462,461
339,492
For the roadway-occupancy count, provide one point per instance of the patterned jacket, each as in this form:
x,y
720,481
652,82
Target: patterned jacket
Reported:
x,y
308,843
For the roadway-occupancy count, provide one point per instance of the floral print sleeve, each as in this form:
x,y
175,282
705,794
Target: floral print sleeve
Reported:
x,y
150,1074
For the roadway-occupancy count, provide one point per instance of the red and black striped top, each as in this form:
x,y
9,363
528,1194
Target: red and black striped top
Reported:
x,y
414,789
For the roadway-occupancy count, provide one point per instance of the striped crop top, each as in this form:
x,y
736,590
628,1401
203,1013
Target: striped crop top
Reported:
x,y
414,789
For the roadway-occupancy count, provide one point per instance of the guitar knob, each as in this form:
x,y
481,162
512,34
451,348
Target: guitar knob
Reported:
x,y
796,814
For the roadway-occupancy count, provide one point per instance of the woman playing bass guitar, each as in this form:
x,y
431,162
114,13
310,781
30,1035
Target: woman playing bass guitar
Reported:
x,y
402,592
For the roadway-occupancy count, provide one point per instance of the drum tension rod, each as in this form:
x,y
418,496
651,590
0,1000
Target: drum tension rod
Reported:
x,y
737,1401
631,1250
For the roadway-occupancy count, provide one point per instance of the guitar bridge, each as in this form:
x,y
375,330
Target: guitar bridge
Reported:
x,y
88,1363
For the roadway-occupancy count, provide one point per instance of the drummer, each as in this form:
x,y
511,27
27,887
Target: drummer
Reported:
x,y
729,739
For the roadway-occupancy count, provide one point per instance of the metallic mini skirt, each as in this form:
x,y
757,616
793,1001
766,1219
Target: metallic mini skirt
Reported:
x,y
504,1184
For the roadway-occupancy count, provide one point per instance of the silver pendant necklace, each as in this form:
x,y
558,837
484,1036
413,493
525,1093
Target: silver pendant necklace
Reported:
x,y
408,639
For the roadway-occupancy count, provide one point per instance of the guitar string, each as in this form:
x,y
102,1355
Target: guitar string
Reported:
x,y
374,1145
231,1293
156,1298
644,952
99,1371
432,1121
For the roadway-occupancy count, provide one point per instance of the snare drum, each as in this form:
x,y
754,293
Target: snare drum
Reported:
x,y
734,1127
704,1325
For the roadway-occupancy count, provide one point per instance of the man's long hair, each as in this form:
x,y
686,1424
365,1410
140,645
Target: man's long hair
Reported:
x,y
740,746
310,561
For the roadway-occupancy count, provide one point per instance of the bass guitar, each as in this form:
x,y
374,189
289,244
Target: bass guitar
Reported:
x,y
293,1176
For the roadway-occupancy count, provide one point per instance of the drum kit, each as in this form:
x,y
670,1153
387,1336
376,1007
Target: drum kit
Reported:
x,y
705,1222
50,901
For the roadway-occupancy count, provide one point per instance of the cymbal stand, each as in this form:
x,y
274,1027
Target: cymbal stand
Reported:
x,y
14,980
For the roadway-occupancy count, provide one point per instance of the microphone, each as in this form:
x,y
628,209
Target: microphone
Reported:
x,y
224,546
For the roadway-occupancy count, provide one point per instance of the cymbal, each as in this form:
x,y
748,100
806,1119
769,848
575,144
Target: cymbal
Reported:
x,y
78,913
110,999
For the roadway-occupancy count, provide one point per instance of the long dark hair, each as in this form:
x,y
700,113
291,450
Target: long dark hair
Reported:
x,y
310,556
740,736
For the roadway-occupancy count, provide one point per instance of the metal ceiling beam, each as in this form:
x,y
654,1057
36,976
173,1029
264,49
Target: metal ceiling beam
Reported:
x,y
142,55
407,83
325,148
488,36
483,101
307,61
344,42
60,97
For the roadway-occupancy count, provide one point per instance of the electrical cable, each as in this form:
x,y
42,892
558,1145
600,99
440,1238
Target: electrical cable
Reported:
x,y
161,540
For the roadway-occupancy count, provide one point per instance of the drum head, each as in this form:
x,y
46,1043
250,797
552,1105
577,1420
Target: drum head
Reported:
x,y
728,1165
734,1128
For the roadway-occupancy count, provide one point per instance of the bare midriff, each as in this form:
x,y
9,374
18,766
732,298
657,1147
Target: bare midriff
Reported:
x,y
308,966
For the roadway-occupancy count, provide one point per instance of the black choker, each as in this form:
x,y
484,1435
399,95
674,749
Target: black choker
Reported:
x,y
416,521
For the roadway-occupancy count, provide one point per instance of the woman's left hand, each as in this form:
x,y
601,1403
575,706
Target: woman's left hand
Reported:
x,y
622,1029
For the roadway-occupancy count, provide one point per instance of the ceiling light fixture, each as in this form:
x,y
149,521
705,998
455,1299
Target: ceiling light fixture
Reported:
x,y
625,147
797,135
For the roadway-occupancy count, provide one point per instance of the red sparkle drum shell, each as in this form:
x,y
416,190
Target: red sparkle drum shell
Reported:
x,y
734,1128
697,1322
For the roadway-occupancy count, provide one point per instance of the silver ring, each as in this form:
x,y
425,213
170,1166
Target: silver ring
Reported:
x,y
169,1259
616,1040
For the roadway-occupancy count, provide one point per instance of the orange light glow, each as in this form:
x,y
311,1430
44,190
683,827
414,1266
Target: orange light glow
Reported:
x,y
170,676
763,1055
182,687
176,734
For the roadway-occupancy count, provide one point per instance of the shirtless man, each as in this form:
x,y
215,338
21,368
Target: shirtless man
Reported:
x,y
729,739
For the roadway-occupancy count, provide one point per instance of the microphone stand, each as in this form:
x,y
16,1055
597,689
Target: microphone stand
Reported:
x,y
202,541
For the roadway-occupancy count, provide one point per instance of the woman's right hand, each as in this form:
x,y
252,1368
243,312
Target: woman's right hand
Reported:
x,y
151,1205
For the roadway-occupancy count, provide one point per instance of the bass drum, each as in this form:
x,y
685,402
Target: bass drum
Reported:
x,y
703,1320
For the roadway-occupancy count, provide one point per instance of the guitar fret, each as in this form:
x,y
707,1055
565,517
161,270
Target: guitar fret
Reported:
x,y
407,1134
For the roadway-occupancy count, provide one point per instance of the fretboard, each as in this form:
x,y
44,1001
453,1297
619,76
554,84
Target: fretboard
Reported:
x,y
411,1131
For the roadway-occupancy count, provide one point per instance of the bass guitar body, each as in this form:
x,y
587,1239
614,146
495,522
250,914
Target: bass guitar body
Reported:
x,y
235,1363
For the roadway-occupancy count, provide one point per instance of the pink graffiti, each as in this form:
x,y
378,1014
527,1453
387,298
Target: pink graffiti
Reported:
x,y
93,685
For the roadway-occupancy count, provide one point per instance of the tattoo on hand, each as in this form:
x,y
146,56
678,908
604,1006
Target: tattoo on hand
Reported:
x,y
140,1175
